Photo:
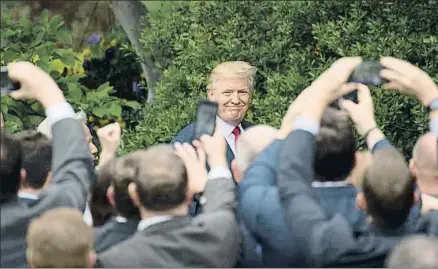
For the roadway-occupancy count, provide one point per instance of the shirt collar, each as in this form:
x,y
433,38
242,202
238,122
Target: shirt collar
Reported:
x,y
145,223
227,128
26,195
330,184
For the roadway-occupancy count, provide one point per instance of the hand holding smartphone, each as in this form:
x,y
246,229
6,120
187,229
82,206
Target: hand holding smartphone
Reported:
x,y
7,85
205,118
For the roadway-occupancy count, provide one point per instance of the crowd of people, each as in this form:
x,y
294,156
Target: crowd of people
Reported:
x,y
245,196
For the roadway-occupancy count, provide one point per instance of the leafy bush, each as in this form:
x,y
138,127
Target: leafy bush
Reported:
x,y
291,43
48,45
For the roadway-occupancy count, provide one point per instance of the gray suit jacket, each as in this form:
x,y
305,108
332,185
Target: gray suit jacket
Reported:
x,y
209,240
73,172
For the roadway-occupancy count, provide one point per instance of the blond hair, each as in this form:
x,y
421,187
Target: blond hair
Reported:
x,y
234,69
59,238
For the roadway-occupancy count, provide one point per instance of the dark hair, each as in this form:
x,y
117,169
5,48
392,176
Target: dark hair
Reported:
x,y
121,173
335,147
100,208
161,179
11,161
388,189
37,157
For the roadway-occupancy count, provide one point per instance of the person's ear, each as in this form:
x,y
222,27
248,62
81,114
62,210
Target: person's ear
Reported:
x,y
110,195
210,95
132,190
416,197
361,202
48,179
29,258
413,168
23,175
92,258
236,172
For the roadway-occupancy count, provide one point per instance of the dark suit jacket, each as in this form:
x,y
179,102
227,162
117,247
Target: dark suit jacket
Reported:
x,y
209,240
260,209
326,241
188,132
112,233
73,171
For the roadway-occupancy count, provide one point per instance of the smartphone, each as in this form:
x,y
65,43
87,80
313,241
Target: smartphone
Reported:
x,y
7,85
352,96
205,118
368,73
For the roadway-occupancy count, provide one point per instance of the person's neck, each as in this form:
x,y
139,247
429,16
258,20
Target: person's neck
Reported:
x,y
234,123
181,210
429,187
31,191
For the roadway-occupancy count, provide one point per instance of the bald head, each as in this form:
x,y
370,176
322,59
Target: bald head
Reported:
x,y
254,140
425,153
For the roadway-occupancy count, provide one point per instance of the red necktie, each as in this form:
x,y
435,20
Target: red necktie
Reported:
x,y
236,133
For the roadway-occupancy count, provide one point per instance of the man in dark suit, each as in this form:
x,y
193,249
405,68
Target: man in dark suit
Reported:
x,y
72,165
124,224
231,85
259,204
37,162
167,236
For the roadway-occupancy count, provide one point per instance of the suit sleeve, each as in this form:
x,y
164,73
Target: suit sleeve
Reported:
x,y
322,241
259,201
72,165
220,195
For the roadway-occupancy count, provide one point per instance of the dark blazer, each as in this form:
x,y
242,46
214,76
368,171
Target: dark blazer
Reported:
x,y
260,209
73,171
188,132
112,233
326,241
209,240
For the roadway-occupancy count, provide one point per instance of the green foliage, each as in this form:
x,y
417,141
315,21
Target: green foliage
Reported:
x,y
291,43
47,44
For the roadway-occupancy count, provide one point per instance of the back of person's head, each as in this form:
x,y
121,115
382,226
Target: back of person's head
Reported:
x,y
60,238
335,147
418,251
161,179
388,189
11,162
249,145
100,207
424,163
122,172
37,158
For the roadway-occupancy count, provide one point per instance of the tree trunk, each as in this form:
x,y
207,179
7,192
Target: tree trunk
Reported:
x,y
129,14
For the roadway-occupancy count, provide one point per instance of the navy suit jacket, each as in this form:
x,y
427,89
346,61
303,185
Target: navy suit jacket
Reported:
x,y
260,209
329,241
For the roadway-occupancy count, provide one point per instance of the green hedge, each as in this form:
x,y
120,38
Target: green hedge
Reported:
x,y
48,44
291,43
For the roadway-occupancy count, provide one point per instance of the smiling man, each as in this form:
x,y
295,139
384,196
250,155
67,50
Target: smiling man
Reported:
x,y
230,85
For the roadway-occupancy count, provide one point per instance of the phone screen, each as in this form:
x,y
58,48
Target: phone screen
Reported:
x,y
7,85
205,118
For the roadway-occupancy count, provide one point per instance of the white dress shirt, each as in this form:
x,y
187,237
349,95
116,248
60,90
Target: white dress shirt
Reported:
x,y
227,131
